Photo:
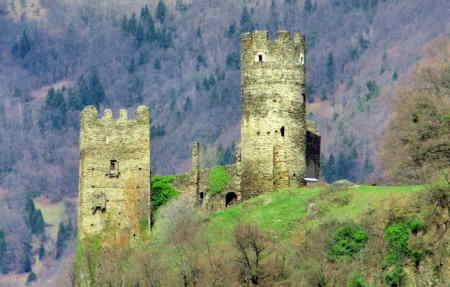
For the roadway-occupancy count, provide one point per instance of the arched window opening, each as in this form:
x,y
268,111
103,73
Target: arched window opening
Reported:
x,y
282,131
230,198
259,58
301,59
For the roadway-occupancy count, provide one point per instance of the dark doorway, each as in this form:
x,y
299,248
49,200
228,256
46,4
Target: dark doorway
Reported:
x,y
282,131
230,198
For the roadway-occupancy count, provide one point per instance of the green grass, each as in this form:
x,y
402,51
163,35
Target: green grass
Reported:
x,y
282,212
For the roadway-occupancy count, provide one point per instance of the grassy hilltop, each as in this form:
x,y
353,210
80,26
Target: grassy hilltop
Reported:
x,y
330,235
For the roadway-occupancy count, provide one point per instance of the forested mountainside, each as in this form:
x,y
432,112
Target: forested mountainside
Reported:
x,y
181,58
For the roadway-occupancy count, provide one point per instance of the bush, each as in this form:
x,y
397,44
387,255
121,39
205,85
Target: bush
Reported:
x,y
356,280
162,190
397,235
218,178
394,276
348,240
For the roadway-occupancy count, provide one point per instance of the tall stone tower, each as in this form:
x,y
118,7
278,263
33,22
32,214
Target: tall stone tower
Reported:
x,y
114,174
272,111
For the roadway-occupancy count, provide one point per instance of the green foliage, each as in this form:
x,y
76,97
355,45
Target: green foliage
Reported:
x,y
201,61
53,113
416,224
31,278
143,224
233,61
226,156
33,217
347,240
26,259
157,131
246,24
394,76
231,31
397,235
157,64
330,68
357,280
23,47
394,276
88,91
374,90
3,247
218,179
309,7
341,168
161,11
162,190
41,251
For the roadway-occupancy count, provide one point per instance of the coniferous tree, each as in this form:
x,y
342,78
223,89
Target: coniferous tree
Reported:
x,y
246,21
31,277
161,11
274,15
132,24
53,113
330,68
33,217
308,8
23,47
61,240
329,169
140,35
41,252
26,262
2,253
90,89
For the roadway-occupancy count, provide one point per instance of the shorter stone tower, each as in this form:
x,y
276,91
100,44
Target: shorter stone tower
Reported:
x,y
272,111
114,187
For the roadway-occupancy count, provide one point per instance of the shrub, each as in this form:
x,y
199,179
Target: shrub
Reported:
x,y
416,224
397,235
348,240
356,280
162,190
218,178
394,276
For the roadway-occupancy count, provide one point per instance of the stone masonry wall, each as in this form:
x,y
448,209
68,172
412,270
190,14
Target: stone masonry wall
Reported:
x,y
114,188
272,111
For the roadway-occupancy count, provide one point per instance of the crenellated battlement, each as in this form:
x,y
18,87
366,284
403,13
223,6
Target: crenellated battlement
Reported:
x,y
89,116
285,49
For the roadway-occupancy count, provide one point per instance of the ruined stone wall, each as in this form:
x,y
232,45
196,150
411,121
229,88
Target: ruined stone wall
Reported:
x,y
272,111
114,187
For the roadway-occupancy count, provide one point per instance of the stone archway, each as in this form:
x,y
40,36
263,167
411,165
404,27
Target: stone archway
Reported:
x,y
230,199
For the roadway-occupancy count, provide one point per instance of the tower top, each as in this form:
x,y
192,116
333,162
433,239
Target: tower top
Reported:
x,y
280,36
89,115
283,50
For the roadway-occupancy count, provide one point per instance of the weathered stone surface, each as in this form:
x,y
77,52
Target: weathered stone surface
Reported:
x,y
114,187
272,111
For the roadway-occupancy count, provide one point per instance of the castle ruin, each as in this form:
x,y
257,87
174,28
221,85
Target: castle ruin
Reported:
x,y
278,148
114,173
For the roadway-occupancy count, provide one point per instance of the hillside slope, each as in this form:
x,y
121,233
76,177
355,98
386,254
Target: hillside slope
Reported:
x,y
337,235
